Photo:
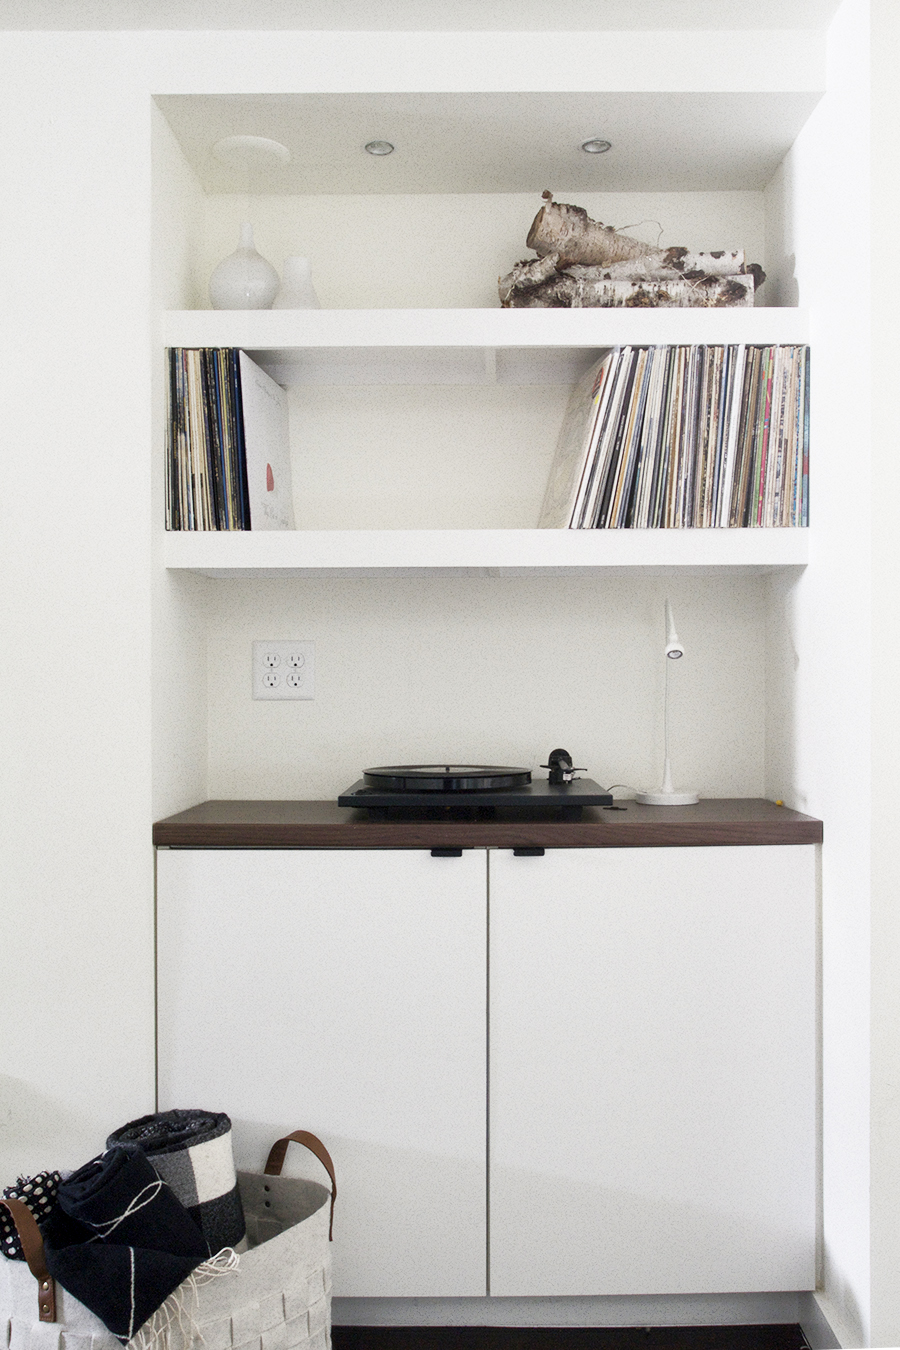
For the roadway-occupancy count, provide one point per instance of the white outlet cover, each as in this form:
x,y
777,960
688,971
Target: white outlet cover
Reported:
x,y
283,670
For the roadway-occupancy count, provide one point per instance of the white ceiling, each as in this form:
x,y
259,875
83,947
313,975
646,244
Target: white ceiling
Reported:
x,y
410,15
494,142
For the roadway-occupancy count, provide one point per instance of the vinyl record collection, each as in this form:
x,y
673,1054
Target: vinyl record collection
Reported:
x,y
685,437
206,467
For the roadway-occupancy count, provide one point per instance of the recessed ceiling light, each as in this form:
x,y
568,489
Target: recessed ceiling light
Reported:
x,y
380,148
596,146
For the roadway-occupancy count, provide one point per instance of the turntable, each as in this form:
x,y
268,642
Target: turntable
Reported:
x,y
477,791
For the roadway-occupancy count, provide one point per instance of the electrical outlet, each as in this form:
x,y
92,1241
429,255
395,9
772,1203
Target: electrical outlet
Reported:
x,y
284,670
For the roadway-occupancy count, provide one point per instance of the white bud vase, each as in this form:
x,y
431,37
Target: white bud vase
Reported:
x,y
243,280
296,286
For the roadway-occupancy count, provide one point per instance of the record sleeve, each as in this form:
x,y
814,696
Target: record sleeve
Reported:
x,y
267,449
575,446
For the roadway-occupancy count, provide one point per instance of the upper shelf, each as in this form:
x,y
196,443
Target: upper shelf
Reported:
x,y
461,346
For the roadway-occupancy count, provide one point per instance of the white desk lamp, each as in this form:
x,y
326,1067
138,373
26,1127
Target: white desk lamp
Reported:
x,y
666,795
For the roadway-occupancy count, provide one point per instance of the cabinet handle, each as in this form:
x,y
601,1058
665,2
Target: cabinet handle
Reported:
x,y
446,853
528,853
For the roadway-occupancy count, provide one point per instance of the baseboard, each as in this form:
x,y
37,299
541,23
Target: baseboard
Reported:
x,y
743,1337
613,1311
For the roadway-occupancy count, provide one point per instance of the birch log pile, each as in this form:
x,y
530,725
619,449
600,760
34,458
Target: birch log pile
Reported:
x,y
583,263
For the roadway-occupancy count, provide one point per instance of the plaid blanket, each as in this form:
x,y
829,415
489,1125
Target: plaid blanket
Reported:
x,y
191,1151
119,1241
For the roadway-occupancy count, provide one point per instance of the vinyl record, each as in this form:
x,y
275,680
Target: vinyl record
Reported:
x,y
445,777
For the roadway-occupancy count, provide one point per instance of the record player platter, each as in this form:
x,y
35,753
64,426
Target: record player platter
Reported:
x,y
444,777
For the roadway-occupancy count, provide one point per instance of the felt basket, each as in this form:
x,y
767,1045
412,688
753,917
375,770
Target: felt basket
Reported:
x,y
277,1296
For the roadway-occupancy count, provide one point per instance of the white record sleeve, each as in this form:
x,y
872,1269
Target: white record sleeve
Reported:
x,y
267,447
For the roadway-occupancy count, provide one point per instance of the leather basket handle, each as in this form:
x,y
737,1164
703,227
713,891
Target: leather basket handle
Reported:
x,y
33,1247
275,1162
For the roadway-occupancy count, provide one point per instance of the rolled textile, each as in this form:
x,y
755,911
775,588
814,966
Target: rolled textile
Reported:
x,y
191,1151
39,1194
119,1240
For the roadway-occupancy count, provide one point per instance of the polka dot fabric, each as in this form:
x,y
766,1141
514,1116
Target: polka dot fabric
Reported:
x,y
39,1194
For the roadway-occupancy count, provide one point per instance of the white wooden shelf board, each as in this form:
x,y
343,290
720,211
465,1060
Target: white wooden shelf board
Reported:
x,y
461,346
580,552
283,329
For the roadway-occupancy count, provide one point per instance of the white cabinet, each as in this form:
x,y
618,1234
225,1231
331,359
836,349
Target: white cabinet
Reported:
x,y
342,992
652,1071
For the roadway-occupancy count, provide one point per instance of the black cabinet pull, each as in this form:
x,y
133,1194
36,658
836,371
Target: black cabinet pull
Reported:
x,y
446,853
528,853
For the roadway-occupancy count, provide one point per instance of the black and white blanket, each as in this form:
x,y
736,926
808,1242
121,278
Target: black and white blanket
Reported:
x,y
39,1194
119,1240
191,1151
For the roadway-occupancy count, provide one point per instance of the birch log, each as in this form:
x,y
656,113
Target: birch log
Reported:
x,y
525,275
660,265
583,263
563,291
528,274
569,232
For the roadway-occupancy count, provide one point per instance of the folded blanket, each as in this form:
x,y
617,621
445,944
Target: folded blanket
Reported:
x,y
120,1241
39,1194
191,1151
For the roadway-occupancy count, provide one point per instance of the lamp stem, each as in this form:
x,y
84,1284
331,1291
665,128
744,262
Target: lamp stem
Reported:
x,y
667,767
666,795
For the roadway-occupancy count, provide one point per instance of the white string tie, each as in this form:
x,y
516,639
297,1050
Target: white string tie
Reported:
x,y
150,1191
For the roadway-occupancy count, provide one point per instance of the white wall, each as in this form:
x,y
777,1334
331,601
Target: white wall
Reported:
x,y
885,1156
178,657
77,878
495,669
819,671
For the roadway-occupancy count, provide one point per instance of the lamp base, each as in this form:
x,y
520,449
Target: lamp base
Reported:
x,y
667,798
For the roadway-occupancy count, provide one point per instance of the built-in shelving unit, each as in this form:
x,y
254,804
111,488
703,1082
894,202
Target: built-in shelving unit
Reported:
x,y
423,416
699,121
469,347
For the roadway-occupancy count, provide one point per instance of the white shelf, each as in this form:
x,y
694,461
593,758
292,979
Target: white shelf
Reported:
x,y
273,330
461,346
577,552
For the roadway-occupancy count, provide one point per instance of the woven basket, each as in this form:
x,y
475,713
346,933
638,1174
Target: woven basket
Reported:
x,y
277,1297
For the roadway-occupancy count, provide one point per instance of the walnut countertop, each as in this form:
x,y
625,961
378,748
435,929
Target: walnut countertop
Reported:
x,y
322,824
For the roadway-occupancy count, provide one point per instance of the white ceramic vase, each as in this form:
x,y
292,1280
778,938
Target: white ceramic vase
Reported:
x,y
296,286
243,280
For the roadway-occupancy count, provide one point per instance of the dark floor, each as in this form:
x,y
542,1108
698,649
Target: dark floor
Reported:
x,y
783,1337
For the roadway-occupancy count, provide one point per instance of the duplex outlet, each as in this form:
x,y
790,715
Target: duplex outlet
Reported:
x,y
284,670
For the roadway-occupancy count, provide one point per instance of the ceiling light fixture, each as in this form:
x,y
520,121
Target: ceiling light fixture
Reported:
x,y
250,152
596,146
380,148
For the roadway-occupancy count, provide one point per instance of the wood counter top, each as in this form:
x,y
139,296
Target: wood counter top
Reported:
x,y
301,824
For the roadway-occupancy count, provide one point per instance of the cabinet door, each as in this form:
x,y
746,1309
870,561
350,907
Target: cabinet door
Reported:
x,y
652,1071
341,992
